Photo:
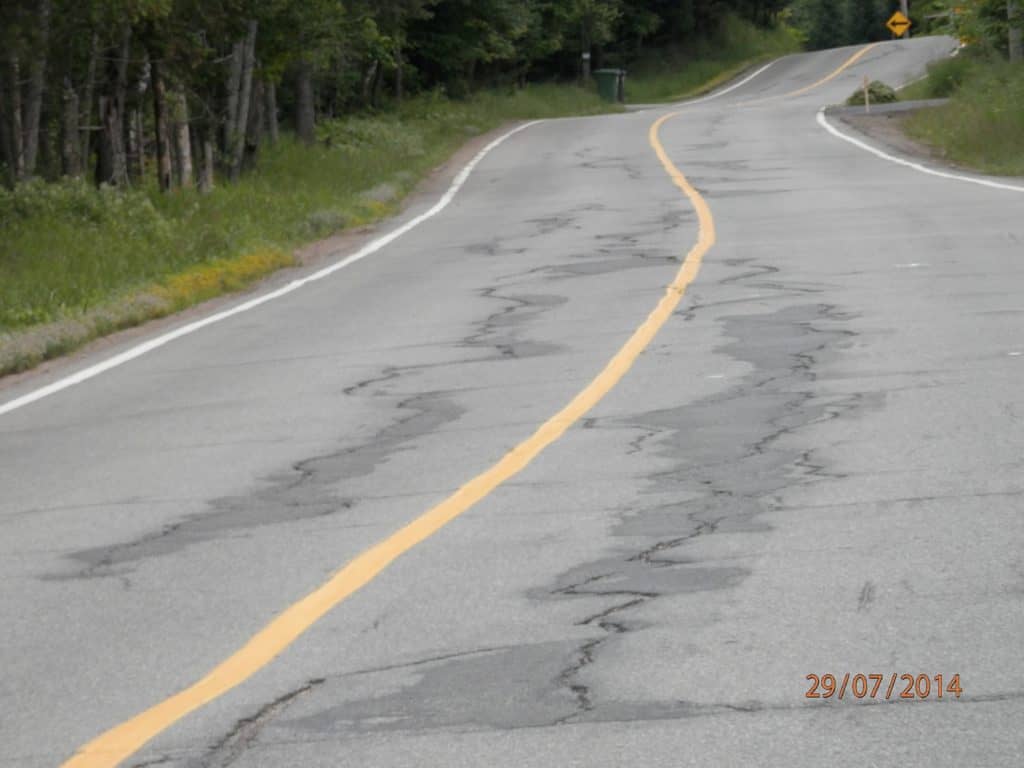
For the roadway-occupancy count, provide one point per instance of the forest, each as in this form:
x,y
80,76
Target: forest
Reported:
x,y
158,153
188,90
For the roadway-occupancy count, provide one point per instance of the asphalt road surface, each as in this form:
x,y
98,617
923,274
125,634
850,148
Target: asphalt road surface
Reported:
x,y
816,466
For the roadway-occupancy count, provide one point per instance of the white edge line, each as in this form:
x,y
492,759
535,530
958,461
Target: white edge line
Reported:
x,y
730,89
823,121
166,338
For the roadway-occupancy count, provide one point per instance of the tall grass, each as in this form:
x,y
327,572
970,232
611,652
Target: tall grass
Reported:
x,y
68,249
983,124
678,73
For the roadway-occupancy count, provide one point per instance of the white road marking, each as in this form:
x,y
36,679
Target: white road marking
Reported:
x,y
730,89
166,338
823,121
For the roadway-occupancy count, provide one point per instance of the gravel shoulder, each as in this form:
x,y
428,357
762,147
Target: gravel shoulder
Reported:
x,y
886,124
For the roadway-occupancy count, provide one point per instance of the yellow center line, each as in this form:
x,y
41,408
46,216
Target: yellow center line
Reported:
x,y
122,741
827,78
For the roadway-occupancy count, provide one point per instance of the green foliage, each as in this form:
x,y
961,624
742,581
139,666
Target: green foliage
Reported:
x,y
879,92
947,75
983,125
832,23
68,248
676,73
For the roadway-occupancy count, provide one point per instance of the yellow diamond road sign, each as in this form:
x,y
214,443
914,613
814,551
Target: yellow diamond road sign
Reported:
x,y
898,24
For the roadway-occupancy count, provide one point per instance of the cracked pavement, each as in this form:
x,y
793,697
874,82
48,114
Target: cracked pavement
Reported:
x,y
816,467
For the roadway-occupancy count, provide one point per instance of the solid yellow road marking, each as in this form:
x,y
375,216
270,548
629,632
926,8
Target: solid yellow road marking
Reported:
x,y
122,741
842,68
827,78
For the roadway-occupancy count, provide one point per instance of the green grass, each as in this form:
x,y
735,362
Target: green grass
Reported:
x,y
76,256
982,126
944,77
675,74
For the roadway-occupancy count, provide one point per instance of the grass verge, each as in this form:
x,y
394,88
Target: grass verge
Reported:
x,y
77,263
676,74
982,126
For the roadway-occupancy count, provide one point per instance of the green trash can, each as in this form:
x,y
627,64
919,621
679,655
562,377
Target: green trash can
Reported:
x,y
611,84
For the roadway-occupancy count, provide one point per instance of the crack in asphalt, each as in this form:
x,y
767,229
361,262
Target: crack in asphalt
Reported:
x,y
246,730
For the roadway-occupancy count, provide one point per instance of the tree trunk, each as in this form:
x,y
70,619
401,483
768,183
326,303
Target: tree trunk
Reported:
x,y
399,67
17,135
88,95
183,140
304,111
163,144
1013,16
234,82
5,132
71,155
37,79
134,146
378,79
270,107
206,167
368,80
585,55
121,79
112,167
244,100
254,131
112,159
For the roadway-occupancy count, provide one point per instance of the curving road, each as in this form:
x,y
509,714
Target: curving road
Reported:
x,y
816,466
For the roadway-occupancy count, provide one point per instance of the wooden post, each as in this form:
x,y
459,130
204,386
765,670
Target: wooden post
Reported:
x,y
867,95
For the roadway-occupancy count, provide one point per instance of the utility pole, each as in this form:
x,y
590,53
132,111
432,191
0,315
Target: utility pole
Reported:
x,y
1012,15
905,10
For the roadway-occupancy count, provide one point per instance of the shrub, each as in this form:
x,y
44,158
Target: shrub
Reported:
x,y
879,92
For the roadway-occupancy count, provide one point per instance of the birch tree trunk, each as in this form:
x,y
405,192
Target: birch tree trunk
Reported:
x,y
183,140
244,100
368,78
206,166
134,146
163,144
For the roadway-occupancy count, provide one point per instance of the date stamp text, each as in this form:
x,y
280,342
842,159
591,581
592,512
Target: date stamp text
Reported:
x,y
887,687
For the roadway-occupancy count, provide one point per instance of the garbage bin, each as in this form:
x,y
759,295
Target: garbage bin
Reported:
x,y
611,84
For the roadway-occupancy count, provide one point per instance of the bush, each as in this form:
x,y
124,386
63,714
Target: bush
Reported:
x,y
676,73
983,125
947,75
879,92
70,252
